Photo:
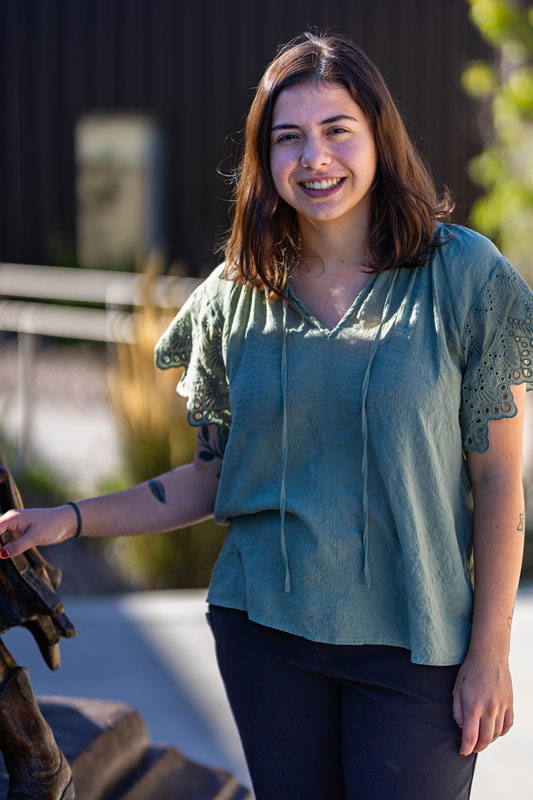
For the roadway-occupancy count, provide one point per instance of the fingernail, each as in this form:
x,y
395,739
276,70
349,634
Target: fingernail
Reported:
x,y
4,553
463,755
460,728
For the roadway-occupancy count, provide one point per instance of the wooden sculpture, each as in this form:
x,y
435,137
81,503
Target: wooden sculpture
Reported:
x,y
37,768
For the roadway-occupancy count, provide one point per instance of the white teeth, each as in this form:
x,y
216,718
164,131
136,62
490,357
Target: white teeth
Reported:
x,y
324,184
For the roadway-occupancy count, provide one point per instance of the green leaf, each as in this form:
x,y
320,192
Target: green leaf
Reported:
x,y
521,89
494,18
479,79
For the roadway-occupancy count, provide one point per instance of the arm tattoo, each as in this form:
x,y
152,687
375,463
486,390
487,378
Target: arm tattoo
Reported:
x,y
521,523
158,490
209,450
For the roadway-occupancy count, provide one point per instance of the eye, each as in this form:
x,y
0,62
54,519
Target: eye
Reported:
x,y
286,137
338,130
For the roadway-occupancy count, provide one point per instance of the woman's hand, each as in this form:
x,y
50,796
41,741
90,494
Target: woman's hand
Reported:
x,y
482,701
35,527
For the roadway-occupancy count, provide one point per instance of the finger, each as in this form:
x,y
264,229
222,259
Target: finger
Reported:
x,y
18,546
10,520
498,726
15,521
9,536
470,734
458,709
486,732
507,721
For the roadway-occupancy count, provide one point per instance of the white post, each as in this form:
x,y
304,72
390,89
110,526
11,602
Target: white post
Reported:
x,y
26,365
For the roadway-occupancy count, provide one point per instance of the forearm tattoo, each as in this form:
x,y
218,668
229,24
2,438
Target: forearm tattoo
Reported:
x,y
158,490
521,522
208,449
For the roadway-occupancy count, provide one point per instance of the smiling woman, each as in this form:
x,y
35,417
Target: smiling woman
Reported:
x,y
359,122
357,371
322,169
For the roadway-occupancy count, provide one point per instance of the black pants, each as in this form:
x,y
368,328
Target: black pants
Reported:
x,y
339,722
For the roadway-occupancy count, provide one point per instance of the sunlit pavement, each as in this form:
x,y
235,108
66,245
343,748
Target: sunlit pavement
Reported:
x,y
155,651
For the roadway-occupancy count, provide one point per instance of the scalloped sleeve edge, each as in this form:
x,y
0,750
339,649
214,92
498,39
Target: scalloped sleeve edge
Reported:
x,y
498,339
196,346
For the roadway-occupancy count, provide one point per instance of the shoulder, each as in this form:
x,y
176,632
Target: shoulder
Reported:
x,y
213,300
464,264
468,257
215,290
201,319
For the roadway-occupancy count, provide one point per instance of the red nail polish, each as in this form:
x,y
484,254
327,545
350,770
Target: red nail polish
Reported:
x,y
4,553
463,755
460,729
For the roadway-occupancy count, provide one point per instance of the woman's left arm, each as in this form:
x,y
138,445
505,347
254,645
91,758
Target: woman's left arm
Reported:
x,y
483,695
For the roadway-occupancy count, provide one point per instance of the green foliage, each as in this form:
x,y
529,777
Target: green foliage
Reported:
x,y
479,79
496,19
504,88
37,484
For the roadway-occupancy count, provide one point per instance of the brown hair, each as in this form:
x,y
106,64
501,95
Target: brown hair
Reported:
x,y
264,240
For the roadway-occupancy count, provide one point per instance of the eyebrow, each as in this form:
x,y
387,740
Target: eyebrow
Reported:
x,y
328,121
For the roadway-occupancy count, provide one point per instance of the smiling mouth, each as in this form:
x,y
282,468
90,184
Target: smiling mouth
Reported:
x,y
326,183
319,190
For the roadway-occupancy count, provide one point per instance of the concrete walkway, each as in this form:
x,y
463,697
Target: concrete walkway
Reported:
x,y
155,651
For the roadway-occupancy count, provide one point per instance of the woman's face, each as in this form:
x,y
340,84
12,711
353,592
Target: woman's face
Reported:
x,y
322,152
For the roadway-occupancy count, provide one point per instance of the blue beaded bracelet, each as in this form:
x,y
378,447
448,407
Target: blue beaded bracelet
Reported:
x,y
78,516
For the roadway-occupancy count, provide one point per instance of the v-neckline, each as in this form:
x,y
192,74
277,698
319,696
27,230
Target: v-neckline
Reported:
x,y
357,301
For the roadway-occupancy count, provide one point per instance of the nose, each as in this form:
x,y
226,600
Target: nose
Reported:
x,y
315,153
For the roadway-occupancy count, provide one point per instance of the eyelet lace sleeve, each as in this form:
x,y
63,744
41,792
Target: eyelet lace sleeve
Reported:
x,y
497,343
194,340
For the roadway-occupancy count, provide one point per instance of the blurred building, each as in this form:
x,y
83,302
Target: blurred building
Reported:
x,y
191,69
120,189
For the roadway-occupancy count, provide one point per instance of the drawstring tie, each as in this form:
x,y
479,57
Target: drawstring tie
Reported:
x,y
364,431
284,448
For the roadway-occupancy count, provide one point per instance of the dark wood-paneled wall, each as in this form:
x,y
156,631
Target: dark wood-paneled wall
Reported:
x,y
194,65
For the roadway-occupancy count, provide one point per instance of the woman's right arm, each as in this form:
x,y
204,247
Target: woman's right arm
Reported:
x,y
173,500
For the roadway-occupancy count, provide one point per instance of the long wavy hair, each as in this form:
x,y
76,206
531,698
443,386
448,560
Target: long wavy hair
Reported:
x,y
264,242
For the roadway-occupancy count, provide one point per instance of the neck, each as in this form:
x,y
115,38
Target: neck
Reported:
x,y
335,243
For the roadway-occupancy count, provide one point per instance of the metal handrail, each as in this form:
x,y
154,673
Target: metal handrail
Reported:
x,y
66,322
107,287
29,318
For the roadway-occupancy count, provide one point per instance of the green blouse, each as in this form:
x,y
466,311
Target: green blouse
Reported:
x,y
344,477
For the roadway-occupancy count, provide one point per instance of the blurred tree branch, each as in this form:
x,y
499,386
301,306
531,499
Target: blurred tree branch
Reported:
x,y
504,87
